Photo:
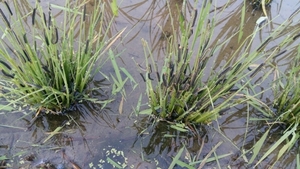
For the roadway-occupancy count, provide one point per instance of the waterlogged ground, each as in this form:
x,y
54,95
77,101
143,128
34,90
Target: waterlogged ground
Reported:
x,y
97,137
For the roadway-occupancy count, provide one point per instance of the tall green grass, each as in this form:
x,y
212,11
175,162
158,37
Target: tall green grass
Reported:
x,y
186,88
283,109
48,62
287,91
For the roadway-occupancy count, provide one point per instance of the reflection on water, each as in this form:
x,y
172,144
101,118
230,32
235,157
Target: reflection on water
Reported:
x,y
166,141
159,20
90,130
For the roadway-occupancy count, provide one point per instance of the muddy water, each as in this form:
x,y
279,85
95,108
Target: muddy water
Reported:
x,y
92,136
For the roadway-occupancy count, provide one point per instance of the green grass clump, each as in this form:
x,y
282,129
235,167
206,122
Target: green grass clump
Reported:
x,y
282,113
287,93
184,91
48,63
286,112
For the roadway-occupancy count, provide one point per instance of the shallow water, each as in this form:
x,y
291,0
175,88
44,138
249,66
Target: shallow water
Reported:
x,y
94,136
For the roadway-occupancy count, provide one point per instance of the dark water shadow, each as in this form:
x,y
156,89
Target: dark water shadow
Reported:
x,y
160,142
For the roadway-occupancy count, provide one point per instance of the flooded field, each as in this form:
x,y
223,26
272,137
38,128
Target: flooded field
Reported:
x,y
116,136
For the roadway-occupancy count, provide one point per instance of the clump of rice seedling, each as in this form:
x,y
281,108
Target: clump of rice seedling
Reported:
x,y
286,111
48,64
184,91
284,108
287,93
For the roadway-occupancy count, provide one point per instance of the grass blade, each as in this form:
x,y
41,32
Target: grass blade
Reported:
x,y
176,158
257,147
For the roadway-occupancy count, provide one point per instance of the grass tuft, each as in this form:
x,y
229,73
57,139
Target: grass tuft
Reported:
x,y
182,91
48,64
284,109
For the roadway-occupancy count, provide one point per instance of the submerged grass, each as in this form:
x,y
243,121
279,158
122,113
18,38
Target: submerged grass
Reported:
x,y
48,64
